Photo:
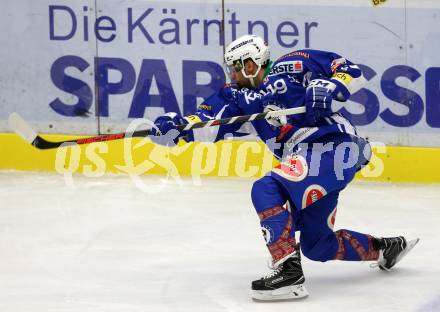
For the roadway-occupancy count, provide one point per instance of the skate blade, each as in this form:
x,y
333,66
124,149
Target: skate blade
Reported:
x,y
409,245
283,293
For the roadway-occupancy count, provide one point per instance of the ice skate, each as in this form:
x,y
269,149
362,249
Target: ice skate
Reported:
x,y
285,282
392,250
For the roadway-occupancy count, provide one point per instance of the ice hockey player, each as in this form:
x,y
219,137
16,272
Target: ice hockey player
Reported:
x,y
319,152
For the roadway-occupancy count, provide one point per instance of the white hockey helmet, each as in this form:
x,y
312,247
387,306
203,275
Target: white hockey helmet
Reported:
x,y
243,48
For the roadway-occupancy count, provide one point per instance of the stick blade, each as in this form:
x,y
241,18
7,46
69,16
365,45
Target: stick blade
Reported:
x,y
22,128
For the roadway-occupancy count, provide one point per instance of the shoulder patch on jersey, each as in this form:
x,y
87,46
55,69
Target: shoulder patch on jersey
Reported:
x,y
290,67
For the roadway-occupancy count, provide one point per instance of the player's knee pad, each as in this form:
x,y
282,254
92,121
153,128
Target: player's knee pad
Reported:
x,y
321,249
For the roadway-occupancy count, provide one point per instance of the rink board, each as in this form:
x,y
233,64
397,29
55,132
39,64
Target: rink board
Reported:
x,y
123,60
223,159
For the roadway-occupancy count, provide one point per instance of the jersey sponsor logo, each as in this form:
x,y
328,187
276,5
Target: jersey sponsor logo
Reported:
x,y
331,219
193,119
296,53
205,107
290,67
343,78
294,169
278,86
299,136
312,194
251,96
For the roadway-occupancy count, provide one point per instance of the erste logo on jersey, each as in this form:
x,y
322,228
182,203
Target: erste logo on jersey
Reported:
x,y
290,67
312,194
294,169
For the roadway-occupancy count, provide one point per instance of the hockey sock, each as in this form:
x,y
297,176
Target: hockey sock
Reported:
x,y
354,246
276,224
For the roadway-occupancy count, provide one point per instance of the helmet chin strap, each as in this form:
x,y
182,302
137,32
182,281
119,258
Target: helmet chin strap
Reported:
x,y
251,77
252,82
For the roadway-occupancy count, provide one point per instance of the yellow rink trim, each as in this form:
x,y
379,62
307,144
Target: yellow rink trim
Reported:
x,y
222,159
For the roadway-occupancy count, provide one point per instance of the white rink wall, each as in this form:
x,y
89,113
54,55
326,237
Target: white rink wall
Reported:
x,y
130,59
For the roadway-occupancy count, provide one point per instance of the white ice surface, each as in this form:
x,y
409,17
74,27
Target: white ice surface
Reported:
x,y
104,245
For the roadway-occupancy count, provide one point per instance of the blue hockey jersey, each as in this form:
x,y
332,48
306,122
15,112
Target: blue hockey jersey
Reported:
x,y
284,86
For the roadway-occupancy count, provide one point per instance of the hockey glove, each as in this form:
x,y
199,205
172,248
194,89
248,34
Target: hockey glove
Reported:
x,y
165,131
275,121
318,104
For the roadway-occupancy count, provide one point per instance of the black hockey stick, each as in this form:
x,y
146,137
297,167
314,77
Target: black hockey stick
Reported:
x,y
22,128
